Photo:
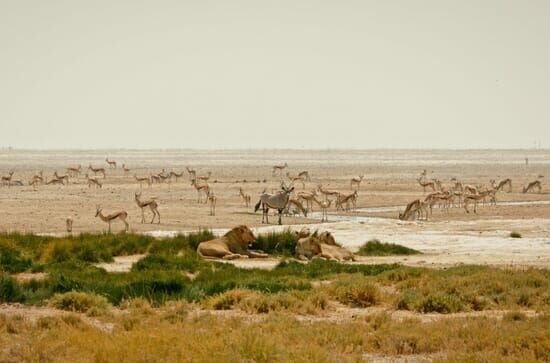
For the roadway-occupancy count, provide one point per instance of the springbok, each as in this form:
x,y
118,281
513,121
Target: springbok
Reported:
x,y
97,170
356,180
151,203
245,197
294,179
474,198
308,197
122,215
446,198
212,202
112,163
278,168
500,186
470,189
74,171
192,173
126,170
93,182
324,205
54,181
155,178
173,174
7,178
414,209
143,179
64,178
424,184
326,193
305,174
299,207
201,188
276,201
532,185
69,224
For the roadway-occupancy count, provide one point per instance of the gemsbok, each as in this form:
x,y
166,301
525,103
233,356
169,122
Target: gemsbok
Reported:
x,y
276,201
151,203
122,215
97,170
532,185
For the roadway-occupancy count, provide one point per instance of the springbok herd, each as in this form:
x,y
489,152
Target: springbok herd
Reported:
x,y
286,201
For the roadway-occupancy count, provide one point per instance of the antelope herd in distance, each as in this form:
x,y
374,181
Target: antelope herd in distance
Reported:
x,y
287,200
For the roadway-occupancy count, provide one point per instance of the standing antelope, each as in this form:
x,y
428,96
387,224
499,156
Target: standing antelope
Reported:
x,y
212,202
245,197
532,185
201,188
151,203
173,174
474,198
326,193
112,163
324,205
126,170
356,180
97,170
276,201
143,179
294,179
69,224
7,178
308,197
93,182
74,171
278,168
122,215
424,184
192,173
63,178
500,186
347,199
305,174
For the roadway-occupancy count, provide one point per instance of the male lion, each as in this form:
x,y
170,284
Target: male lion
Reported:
x,y
234,244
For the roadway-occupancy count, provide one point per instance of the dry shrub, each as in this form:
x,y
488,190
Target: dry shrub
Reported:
x,y
354,290
79,302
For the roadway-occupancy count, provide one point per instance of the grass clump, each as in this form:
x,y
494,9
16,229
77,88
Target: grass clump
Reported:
x,y
377,248
515,234
354,290
11,258
79,302
9,289
277,243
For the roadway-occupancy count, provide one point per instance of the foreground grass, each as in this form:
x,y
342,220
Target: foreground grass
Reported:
x,y
170,334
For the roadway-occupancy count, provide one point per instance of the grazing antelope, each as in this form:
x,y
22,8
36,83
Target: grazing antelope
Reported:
x,y
122,215
424,184
74,171
347,199
414,209
205,177
532,185
143,179
299,207
151,203
112,163
69,224
305,174
192,173
97,170
470,189
201,188
276,201
474,198
64,178
278,168
356,180
500,186
324,205
55,181
294,179
212,202
326,193
308,197
173,174
93,182
7,178
126,170
245,197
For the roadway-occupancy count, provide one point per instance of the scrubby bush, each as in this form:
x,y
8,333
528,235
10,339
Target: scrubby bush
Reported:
x,y
278,243
354,290
78,301
377,248
515,234
9,289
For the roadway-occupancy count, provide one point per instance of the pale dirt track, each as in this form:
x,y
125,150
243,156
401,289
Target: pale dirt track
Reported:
x,y
447,239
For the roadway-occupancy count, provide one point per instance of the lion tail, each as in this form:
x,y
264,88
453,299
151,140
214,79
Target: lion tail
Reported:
x,y
257,206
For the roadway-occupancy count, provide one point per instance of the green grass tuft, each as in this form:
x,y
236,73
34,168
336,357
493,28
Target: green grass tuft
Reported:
x,y
377,248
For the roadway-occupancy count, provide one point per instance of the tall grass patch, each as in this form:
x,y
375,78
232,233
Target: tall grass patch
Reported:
x,y
376,248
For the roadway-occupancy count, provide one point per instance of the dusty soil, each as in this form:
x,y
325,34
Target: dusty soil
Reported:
x,y
390,182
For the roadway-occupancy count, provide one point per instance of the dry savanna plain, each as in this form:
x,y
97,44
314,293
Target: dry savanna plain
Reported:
x,y
456,287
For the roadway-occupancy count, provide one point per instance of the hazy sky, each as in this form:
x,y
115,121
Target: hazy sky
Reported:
x,y
254,74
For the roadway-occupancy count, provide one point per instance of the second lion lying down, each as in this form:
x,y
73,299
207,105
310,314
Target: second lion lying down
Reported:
x,y
320,245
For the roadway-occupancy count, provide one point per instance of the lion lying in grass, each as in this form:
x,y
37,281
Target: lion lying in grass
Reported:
x,y
234,244
320,246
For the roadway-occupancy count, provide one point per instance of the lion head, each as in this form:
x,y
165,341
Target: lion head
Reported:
x,y
327,238
241,235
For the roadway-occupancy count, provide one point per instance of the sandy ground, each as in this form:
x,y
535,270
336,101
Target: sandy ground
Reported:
x,y
447,239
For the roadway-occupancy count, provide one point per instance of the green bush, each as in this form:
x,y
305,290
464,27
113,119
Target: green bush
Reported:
x,y
9,289
376,248
277,243
354,290
11,259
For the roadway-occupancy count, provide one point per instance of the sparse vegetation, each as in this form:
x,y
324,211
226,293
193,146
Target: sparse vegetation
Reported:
x,y
79,301
376,248
515,234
